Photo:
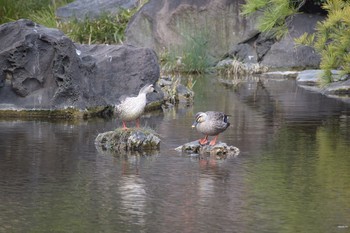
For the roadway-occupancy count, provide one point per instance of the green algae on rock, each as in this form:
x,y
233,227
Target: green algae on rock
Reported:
x,y
132,139
219,151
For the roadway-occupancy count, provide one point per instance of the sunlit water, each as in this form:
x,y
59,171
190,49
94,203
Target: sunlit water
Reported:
x,y
292,175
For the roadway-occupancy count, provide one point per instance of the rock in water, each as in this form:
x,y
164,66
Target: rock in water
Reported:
x,y
128,140
220,150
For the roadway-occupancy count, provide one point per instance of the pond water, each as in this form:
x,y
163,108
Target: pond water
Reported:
x,y
292,175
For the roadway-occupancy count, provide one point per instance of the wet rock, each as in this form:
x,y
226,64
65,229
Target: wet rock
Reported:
x,y
175,92
128,140
220,150
280,75
338,89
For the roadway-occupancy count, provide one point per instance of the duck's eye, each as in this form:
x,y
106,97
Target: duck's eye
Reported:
x,y
199,119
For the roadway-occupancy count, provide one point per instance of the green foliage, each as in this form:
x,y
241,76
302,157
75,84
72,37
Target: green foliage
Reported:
x,y
275,13
45,17
13,10
190,57
332,38
107,28
305,39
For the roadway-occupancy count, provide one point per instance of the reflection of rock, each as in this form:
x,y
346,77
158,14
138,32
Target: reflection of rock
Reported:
x,y
220,150
127,140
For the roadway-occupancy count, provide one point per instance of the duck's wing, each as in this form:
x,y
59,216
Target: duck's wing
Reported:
x,y
124,99
218,119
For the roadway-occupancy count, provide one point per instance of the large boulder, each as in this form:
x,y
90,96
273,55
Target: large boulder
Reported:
x,y
82,9
43,69
169,23
286,54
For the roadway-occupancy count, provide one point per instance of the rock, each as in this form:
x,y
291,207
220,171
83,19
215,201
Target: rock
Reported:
x,y
128,140
81,9
340,89
280,74
285,53
165,24
263,44
40,68
244,53
233,67
309,77
120,70
174,91
220,150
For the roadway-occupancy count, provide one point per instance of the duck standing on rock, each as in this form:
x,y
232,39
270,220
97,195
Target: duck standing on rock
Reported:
x,y
210,123
131,108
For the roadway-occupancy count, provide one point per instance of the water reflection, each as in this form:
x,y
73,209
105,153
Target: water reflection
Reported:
x,y
133,198
293,173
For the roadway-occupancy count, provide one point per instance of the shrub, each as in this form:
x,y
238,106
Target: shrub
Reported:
x,y
273,18
332,38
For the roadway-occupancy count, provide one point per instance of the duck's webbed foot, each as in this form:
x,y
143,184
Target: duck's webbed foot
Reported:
x,y
203,141
213,142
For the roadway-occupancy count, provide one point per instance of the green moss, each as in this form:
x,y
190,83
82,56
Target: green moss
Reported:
x,y
69,113
53,114
124,133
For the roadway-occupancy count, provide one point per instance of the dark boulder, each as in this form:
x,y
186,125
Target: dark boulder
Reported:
x,y
285,53
40,68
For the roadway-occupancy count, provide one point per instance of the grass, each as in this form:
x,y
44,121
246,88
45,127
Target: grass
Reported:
x,y
191,57
13,10
106,29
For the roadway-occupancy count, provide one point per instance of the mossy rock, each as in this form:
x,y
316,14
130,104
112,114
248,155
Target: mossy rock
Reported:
x,y
219,151
132,139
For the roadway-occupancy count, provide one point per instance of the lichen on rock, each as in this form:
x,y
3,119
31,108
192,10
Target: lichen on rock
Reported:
x,y
220,150
132,139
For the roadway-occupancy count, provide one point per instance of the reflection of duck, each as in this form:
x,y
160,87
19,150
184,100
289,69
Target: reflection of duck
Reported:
x,y
131,108
210,124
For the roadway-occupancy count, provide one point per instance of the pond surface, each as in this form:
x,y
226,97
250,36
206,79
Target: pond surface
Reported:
x,y
292,175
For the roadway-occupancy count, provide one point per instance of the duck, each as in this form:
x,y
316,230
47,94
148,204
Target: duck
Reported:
x,y
132,107
210,123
